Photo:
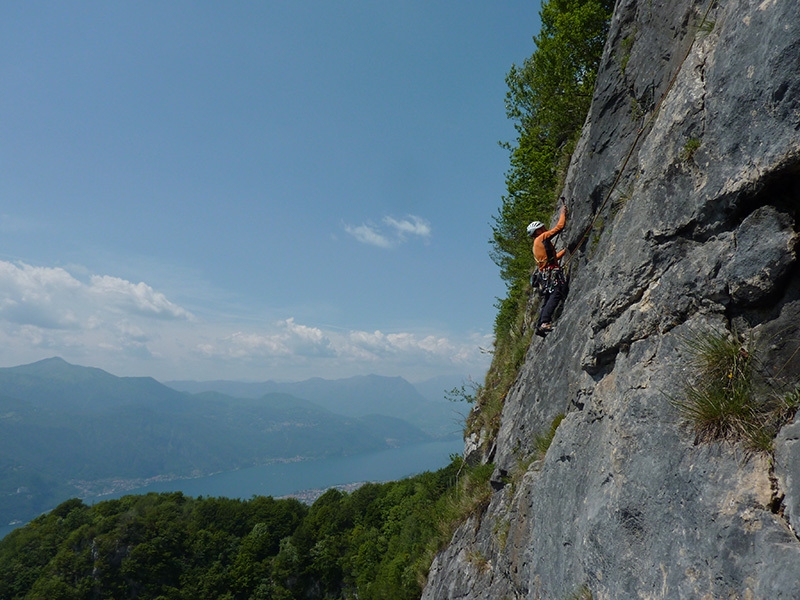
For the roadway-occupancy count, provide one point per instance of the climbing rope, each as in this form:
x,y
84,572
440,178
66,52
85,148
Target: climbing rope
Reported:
x,y
642,129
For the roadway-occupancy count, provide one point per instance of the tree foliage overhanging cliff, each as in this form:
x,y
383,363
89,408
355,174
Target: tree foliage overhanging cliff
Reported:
x,y
548,99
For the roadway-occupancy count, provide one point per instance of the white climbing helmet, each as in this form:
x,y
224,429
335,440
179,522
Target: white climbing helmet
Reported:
x,y
533,227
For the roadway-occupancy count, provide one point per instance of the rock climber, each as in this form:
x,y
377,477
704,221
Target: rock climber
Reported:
x,y
548,275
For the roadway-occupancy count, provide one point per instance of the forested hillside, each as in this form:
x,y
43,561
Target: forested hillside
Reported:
x,y
374,543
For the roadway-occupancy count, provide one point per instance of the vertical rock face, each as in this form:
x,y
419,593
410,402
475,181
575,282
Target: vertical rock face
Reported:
x,y
698,232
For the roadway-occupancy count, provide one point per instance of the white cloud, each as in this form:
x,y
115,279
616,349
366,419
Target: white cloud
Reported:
x,y
308,341
44,297
366,234
47,309
136,297
52,298
132,329
393,232
288,340
290,347
412,226
376,345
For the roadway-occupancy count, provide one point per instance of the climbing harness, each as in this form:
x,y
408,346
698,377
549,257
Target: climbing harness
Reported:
x,y
547,280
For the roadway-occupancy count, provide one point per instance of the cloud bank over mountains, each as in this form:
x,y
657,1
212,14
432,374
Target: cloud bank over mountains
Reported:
x,y
51,298
132,329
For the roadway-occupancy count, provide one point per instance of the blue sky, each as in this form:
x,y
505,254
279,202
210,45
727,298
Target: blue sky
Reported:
x,y
254,190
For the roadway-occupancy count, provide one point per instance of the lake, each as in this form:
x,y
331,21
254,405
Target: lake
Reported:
x,y
283,479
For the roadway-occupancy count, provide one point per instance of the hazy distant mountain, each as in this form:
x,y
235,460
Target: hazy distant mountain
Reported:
x,y
358,397
235,389
66,430
54,383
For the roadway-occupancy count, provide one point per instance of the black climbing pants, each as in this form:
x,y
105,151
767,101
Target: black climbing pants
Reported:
x,y
550,301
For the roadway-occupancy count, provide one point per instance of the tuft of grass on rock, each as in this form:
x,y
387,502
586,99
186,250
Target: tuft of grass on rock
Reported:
x,y
542,442
727,399
582,593
691,146
469,497
625,55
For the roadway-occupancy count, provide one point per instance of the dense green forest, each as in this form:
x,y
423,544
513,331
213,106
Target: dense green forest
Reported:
x,y
377,542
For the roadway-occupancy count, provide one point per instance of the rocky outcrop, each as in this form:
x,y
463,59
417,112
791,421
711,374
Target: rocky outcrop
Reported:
x,y
688,173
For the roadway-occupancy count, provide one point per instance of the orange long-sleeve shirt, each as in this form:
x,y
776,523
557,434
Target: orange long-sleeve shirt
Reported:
x,y
539,251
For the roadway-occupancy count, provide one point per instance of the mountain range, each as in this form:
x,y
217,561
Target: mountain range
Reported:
x,y
423,405
68,430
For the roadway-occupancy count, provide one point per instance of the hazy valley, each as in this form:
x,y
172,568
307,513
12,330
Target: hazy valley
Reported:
x,y
69,431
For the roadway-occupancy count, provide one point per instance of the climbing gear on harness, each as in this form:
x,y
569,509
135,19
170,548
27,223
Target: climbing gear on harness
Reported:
x,y
546,280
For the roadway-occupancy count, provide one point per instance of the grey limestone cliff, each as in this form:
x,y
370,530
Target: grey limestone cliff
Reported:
x,y
701,122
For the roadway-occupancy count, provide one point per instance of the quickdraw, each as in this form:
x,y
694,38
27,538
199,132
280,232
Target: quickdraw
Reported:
x,y
547,280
